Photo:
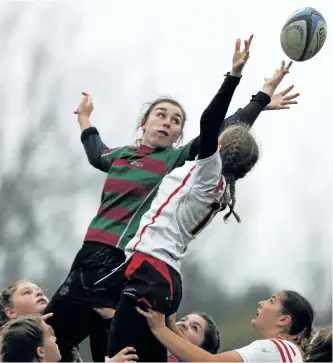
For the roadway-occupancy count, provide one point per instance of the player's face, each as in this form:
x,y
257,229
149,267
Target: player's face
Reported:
x,y
28,298
50,351
163,126
193,327
269,319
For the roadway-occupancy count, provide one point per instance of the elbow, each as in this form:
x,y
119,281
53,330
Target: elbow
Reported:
x,y
95,161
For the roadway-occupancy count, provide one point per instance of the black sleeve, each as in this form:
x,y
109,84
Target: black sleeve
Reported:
x,y
246,115
94,147
213,116
250,112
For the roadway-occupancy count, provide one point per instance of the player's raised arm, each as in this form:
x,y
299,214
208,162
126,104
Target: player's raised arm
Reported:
x,y
213,116
99,155
218,108
180,347
261,102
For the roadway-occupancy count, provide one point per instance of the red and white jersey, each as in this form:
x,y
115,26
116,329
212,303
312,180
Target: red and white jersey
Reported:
x,y
186,202
270,350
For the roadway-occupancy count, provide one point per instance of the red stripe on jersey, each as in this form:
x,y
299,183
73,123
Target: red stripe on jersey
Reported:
x,y
292,349
220,186
116,213
286,349
147,164
144,300
280,349
106,151
97,235
160,209
160,266
123,186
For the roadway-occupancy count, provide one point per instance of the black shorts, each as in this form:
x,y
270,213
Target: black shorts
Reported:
x,y
93,262
153,283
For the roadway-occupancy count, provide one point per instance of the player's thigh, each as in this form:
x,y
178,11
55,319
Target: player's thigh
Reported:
x,y
130,329
153,283
98,338
71,322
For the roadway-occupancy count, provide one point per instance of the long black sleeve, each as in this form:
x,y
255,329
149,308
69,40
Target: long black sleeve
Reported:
x,y
249,113
246,115
213,116
94,147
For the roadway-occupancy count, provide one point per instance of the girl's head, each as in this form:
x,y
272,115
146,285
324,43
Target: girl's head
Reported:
x,y
28,339
285,313
320,347
201,330
239,152
162,123
21,298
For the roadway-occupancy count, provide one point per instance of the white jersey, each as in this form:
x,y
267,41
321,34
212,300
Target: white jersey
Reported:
x,y
270,350
186,202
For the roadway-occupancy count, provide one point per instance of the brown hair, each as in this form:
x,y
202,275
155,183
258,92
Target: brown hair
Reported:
x,y
211,342
149,106
6,300
239,152
320,347
20,339
301,313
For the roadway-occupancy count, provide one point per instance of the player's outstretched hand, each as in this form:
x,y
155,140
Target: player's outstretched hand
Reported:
x,y
86,106
155,319
240,56
272,83
282,100
125,355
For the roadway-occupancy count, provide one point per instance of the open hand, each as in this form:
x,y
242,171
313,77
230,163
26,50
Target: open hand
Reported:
x,y
85,107
272,83
282,100
240,56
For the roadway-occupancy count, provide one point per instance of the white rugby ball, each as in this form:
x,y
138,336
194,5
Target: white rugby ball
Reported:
x,y
303,34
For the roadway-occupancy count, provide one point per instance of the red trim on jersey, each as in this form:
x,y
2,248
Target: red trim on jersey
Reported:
x,y
159,211
280,349
292,349
144,300
220,186
286,349
137,260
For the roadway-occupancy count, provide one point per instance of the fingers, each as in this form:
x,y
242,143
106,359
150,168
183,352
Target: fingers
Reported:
x,y
291,97
249,41
143,313
285,103
46,316
287,90
87,100
289,65
237,45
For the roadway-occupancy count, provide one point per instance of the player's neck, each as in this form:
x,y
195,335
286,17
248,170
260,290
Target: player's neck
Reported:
x,y
269,334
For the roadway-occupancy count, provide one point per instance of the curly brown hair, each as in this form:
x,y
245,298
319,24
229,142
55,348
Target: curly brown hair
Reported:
x,y
239,153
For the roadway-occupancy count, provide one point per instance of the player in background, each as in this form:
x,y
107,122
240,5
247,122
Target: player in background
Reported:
x,y
187,200
283,323
25,298
320,347
28,339
198,328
